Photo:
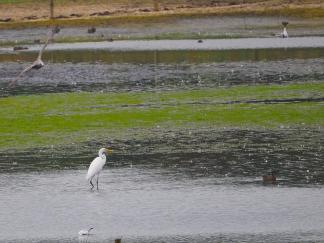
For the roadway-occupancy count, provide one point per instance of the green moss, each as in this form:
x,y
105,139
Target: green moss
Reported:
x,y
38,120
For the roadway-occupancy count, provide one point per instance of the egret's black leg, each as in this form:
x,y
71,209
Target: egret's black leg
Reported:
x,y
92,186
97,182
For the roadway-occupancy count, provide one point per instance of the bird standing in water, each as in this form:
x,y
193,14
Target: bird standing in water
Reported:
x,y
38,63
97,165
284,33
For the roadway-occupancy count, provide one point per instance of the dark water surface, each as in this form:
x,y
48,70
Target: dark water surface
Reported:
x,y
297,153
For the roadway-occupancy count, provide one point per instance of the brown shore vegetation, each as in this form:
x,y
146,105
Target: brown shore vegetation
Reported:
x,y
28,13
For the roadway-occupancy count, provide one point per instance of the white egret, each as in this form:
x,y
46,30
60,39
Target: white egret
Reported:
x,y
85,232
96,166
38,63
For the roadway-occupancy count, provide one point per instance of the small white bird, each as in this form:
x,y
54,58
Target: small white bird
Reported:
x,y
85,232
96,166
284,33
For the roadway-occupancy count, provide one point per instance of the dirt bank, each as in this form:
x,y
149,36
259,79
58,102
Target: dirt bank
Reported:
x,y
68,13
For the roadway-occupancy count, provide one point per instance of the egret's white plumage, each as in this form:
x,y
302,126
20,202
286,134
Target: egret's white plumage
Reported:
x,y
97,165
284,33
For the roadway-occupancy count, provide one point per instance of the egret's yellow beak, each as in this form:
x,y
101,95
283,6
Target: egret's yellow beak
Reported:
x,y
109,151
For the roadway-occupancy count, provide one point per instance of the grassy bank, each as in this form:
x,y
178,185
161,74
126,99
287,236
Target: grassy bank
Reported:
x,y
40,120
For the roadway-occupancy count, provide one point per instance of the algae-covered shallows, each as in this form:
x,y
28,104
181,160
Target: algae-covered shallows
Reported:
x,y
39,120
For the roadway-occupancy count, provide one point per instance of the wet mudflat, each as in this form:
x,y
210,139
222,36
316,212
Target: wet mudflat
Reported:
x,y
91,70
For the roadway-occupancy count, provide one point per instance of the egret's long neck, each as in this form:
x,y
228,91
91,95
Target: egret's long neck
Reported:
x,y
102,155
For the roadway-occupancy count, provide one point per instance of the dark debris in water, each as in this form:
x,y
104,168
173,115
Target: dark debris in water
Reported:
x,y
296,154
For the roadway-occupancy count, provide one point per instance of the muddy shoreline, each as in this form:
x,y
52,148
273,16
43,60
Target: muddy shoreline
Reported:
x,y
210,27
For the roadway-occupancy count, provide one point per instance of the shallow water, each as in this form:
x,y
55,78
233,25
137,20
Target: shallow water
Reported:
x,y
167,45
155,204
